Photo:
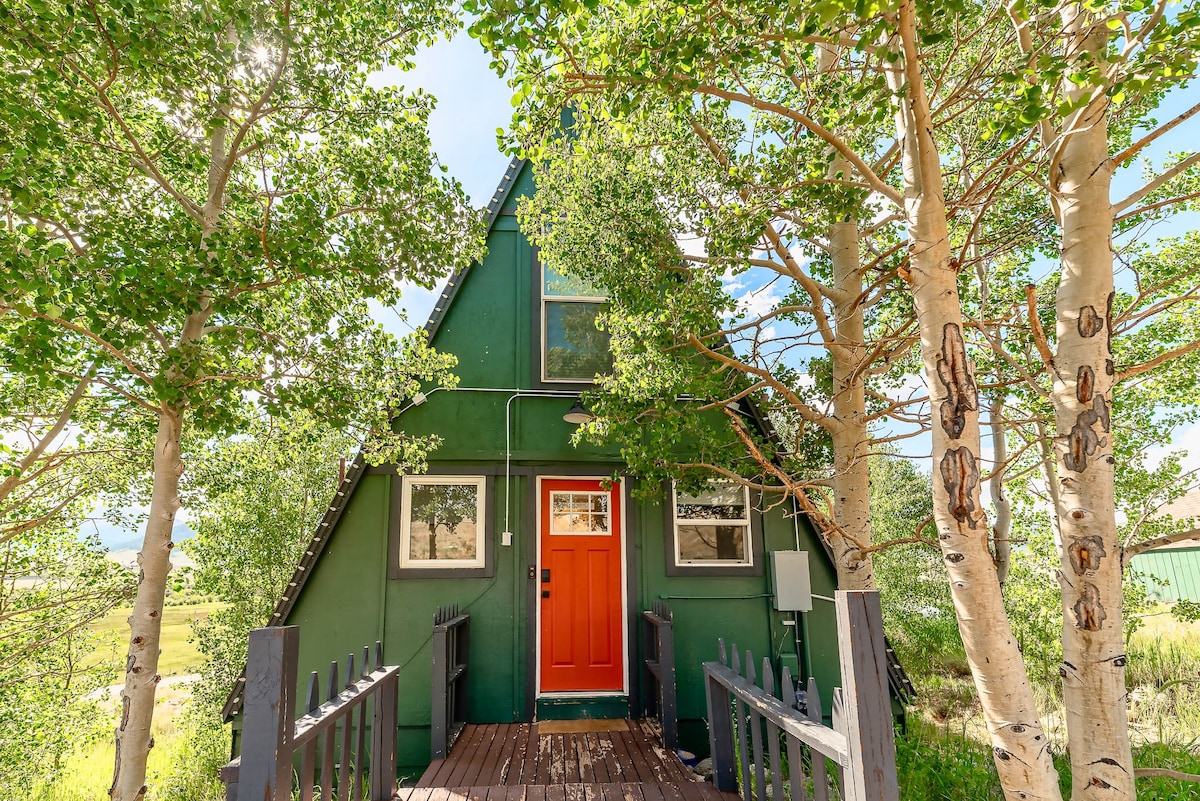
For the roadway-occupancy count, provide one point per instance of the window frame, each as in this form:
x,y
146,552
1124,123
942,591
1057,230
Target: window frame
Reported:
x,y
753,566
541,379
481,567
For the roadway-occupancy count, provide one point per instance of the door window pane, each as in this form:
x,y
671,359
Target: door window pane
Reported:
x,y
579,513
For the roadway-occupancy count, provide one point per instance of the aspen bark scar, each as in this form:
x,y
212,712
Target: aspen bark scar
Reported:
x,y
953,371
1090,322
1089,611
1085,554
960,477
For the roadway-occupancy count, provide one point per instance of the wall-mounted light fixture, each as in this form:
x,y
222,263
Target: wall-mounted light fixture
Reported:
x,y
578,413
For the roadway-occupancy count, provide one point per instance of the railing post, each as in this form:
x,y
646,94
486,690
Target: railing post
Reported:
x,y
720,734
270,704
383,741
439,728
871,772
229,777
458,694
666,671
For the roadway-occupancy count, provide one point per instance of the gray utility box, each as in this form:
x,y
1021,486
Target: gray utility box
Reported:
x,y
789,575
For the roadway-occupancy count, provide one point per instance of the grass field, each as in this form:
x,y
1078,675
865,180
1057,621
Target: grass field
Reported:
x,y
88,771
179,656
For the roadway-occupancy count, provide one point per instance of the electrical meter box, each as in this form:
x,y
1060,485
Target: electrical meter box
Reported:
x,y
789,573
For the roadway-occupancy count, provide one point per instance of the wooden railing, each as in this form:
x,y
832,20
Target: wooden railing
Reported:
x,y
330,738
451,639
659,641
861,744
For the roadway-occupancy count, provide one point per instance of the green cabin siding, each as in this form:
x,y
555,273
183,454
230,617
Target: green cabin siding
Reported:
x,y
349,600
1170,574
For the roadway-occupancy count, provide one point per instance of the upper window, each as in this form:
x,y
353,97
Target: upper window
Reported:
x,y
442,522
712,529
573,348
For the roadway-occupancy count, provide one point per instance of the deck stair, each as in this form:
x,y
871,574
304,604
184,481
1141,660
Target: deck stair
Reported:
x,y
519,762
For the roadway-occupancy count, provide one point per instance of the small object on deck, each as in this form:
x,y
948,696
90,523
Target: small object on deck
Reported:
x,y
686,757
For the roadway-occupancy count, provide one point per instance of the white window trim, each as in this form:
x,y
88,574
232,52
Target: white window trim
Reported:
x,y
545,329
747,536
406,562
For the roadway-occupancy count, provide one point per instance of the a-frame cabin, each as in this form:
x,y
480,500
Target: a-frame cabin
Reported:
x,y
513,525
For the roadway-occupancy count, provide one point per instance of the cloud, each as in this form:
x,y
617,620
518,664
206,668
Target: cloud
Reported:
x,y
758,302
1185,439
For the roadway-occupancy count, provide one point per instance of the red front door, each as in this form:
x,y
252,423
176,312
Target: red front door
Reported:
x,y
580,583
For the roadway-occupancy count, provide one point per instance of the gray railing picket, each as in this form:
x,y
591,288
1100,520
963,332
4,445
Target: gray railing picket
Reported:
x,y
273,736
861,742
451,645
659,645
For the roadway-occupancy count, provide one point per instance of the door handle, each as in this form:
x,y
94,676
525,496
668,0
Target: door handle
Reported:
x,y
546,576
545,593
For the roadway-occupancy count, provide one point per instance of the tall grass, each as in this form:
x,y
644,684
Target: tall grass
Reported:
x,y
946,756
182,765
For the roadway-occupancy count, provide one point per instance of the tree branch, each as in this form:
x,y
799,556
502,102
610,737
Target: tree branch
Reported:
x,y
816,128
1140,144
44,441
1131,551
1165,773
1130,372
1156,182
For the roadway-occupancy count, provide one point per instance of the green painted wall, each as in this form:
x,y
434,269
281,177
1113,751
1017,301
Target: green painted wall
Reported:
x,y
338,611
1170,574
349,601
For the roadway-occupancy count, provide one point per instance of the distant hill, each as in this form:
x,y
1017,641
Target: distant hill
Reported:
x,y
113,538
125,551
127,557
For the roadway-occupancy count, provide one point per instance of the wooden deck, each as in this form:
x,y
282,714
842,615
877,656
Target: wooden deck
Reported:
x,y
516,762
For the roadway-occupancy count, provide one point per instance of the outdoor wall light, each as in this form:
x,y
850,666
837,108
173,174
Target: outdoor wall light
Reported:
x,y
578,414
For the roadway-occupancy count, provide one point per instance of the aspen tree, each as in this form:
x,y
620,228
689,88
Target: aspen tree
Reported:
x,y
198,200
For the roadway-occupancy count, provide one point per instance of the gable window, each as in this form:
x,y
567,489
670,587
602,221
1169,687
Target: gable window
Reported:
x,y
712,529
574,350
442,522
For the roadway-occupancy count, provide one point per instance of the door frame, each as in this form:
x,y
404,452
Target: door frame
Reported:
x,y
536,618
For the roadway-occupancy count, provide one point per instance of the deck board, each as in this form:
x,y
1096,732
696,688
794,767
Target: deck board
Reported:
x,y
514,762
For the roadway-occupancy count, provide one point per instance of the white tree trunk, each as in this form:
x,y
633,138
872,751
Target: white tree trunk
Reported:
x,y
851,439
1094,658
1002,527
1018,742
133,737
